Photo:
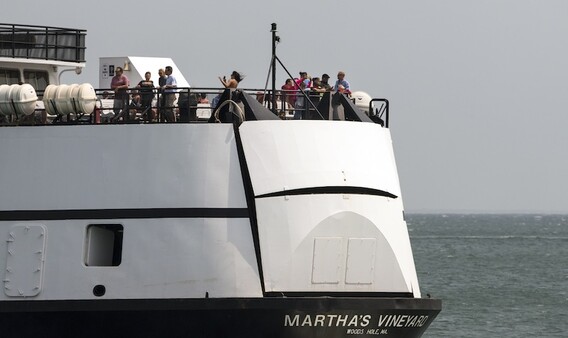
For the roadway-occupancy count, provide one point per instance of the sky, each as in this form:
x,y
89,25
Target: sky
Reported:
x,y
477,89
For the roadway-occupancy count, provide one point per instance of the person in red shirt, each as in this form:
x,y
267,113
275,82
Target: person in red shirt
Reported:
x,y
289,92
119,84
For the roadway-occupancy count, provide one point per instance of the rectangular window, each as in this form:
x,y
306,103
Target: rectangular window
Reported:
x,y
104,245
9,76
37,78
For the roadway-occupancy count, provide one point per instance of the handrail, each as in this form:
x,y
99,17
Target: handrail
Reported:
x,y
42,42
186,108
383,113
40,27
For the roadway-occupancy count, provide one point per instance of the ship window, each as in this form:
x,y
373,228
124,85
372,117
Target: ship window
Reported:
x,y
104,245
9,76
38,79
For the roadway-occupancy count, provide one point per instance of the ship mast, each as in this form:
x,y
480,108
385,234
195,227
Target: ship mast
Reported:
x,y
275,39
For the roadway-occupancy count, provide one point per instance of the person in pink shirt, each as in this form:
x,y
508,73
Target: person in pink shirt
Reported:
x,y
119,84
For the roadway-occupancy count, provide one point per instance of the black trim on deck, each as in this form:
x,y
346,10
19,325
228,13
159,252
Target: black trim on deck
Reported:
x,y
340,294
330,190
249,193
52,215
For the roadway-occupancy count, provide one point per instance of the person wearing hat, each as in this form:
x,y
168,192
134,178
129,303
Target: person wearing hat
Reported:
x,y
324,84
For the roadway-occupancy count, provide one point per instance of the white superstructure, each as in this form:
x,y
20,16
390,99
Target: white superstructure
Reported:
x,y
135,67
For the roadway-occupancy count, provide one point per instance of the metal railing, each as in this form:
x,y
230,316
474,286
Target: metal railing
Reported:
x,y
190,105
42,42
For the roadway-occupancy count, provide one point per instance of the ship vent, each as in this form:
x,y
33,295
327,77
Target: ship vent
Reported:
x,y
360,260
335,263
327,260
104,245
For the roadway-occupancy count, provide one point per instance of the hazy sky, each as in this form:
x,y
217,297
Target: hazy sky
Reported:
x,y
478,89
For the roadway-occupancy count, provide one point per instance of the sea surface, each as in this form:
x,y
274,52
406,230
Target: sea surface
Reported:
x,y
497,275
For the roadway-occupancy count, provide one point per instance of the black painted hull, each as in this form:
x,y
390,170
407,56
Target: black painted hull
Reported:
x,y
252,317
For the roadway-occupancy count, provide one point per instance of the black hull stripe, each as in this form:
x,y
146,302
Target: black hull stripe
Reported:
x,y
330,190
219,318
51,215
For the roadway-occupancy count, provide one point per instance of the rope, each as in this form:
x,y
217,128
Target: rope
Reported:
x,y
226,102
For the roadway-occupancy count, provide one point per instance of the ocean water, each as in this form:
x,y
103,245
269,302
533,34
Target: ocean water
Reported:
x,y
497,275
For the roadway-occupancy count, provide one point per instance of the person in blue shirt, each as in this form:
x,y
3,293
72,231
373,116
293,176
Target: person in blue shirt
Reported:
x,y
341,84
169,95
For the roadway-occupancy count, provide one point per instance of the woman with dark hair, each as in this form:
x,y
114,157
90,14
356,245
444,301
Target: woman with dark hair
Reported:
x,y
233,81
147,95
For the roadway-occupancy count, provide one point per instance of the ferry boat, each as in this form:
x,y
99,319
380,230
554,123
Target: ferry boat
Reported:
x,y
239,225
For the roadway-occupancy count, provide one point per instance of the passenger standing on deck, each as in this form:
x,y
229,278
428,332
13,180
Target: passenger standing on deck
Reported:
x,y
233,81
162,77
324,82
300,105
341,87
304,78
161,83
119,84
169,95
289,89
318,90
146,95
341,82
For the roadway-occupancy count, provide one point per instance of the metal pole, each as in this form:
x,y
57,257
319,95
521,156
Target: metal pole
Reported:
x,y
274,40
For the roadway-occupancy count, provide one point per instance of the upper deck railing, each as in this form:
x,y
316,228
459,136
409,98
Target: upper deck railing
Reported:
x,y
42,42
190,105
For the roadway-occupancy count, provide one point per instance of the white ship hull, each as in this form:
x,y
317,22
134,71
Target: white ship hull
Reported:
x,y
252,227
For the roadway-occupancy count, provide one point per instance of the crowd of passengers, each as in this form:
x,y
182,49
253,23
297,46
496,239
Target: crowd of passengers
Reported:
x,y
174,105
129,104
